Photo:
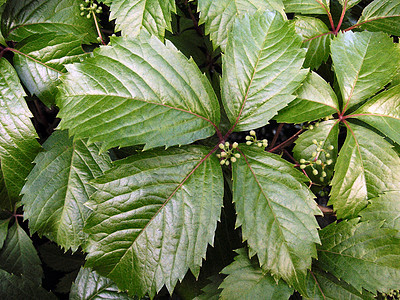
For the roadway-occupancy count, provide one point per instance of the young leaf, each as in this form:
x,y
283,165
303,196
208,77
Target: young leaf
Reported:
x,y
219,16
306,6
57,188
18,145
315,99
18,255
246,281
154,215
381,15
3,231
363,254
364,63
90,285
138,92
367,166
261,69
383,113
347,4
276,212
134,16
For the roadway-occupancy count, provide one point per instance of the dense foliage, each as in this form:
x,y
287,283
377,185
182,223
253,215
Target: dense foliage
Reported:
x,y
230,149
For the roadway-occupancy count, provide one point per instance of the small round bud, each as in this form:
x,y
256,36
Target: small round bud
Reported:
x,y
302,161
330,147
321,143
88,16
227,144
222,162
233,159
252,132
315,141
227,162
316,124
98,10
259,144
318,162
311,127
99,39
221,146
94,5
235,145
219,155
224,154
302,167
329,162
323,174
237,155
87,1
318,149
248,138
82,8
327,155
248,143
82,14
265,142
315,172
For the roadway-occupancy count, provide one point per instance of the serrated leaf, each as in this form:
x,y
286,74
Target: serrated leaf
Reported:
x,y
324,286
15,287
138,92
386,208
3,231
312,31
133,16
24,18
366,167
364,63
315,99
381,15
261,69
18,145
246,281
54,257
348,3
211,291
326,135
58,187
307,6
219,16
18,255
90,285
40,61
276,212
161,209
363,254
383,113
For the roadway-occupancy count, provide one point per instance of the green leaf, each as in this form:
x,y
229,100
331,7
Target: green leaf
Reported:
x,y
276,212
3,231
57,259
349,3
246,281
90,285
18,145
315,99
65,283
219,16
154,215
24,18
211,291
317,44
386,207
261,69
367,166
383,113
364,63
381,15
326,135
138,92
306,6
18,255
2,40
363,254
132,16
58,187
324,286
15,287
40,61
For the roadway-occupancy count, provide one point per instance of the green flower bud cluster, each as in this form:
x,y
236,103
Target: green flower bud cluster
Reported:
x,y
316,161
228,154
393,294
252,139
311,126
89,7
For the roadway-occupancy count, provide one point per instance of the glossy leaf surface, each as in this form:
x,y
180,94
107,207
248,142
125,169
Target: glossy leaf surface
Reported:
x,y
347,4
306,6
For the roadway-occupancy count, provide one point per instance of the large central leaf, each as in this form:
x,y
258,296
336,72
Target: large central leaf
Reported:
x,y
154,215
261,69
138,92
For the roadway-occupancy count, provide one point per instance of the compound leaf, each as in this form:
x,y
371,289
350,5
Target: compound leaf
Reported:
x,y
58,187
306,6
138,92
276,212
246,281
18,145
366,167
154,215
261,67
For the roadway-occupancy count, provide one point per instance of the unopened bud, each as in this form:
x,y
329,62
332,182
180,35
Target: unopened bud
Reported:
x,y
330,147
252,132
221,146
237,155
233,159
248,143
235,145
302,161
315,172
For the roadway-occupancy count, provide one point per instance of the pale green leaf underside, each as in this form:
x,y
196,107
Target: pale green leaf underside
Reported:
x,y
276,212
219,16
261,69
382,15
138,92
306,6
364,63
18,145
3,231
363,254
154,215
89,285
366,167
383,113
132,16
58,187
18,255
246,281
314,99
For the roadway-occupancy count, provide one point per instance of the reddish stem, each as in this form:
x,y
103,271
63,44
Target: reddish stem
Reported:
x,y
287,142
98,28
341,18
319,35
278,131
328,13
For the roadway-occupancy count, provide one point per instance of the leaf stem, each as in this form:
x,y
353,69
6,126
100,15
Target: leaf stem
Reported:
x,y
98,28
278,131
341,18
195,23
287,142
319,35
329,14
